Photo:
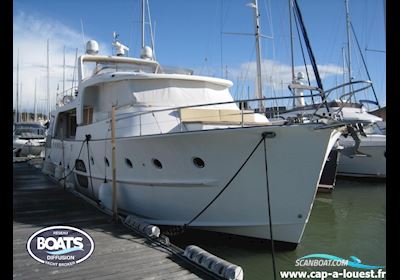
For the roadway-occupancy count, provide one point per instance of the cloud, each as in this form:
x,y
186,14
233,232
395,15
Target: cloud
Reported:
x,y
31,33
276,77
274,74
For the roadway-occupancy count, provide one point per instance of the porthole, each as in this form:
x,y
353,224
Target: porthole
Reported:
x,y
80,165
157,163
128,162
91,158
82,180
107,162
198,162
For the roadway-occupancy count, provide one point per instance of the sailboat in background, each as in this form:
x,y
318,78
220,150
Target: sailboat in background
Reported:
x,y
29,136
364,154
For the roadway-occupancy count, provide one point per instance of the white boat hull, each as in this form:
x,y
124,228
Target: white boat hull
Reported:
x,y
176,193
22,147
372,165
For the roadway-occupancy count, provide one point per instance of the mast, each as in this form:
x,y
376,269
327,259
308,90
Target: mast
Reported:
x,y
384,14
348,41
34,105
291,38
365,65
22,113
63,74
48,81
299,17
143,19
150,25
344,68
258,53
17,108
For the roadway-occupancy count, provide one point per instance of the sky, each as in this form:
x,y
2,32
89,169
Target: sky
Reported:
x,y
197,35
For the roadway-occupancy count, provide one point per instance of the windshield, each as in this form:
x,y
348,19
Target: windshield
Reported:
x,y
101,68
107,67
30,131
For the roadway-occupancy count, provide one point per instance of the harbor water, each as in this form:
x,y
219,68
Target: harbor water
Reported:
x,y
350,221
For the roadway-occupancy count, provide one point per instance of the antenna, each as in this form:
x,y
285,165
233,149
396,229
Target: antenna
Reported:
x,y
83,35
120,48
115,36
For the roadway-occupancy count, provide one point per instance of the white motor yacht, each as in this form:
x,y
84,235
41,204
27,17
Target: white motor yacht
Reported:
x,y
185,154
28,139
183,143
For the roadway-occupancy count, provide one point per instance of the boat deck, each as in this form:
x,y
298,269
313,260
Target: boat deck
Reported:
x,y
119,252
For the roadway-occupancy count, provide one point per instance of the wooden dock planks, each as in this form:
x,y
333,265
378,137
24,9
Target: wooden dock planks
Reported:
x,y
119,253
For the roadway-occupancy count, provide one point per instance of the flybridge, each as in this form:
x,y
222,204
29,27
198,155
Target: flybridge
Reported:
x,y
103,64
112,62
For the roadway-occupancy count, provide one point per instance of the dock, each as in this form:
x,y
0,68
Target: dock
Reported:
x,y
119,252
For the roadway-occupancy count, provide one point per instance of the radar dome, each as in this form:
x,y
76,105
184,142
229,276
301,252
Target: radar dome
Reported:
x,y
92,47
147,53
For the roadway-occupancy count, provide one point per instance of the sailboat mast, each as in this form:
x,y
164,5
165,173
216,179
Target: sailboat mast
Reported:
x,y
21,117
17,108
384,14
258,53
34,105
152,35
143,19
291,38
348,41
48,81
63,74
344,68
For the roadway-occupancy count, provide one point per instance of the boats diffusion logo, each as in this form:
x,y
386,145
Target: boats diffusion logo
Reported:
x,y
329,260
60,246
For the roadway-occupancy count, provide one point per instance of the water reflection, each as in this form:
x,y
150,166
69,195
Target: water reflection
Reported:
x,y
351,221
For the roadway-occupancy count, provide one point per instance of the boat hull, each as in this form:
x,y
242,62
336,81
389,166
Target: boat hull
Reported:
x,y
177,192
373,164
28,147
